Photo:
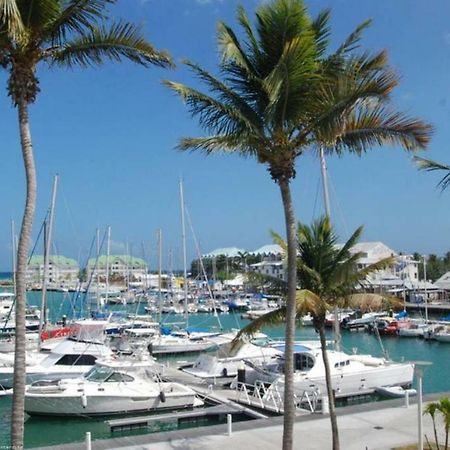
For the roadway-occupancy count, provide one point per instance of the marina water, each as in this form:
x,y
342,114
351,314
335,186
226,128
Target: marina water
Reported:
x,y
47,431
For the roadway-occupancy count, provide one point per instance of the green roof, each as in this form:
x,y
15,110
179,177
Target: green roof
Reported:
x,y
123,259
58,260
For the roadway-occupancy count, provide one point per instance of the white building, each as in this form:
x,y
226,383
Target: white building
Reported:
x,y
404,267
119,265
272,268
60,269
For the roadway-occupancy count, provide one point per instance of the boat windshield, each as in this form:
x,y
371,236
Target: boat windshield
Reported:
x,y
98,374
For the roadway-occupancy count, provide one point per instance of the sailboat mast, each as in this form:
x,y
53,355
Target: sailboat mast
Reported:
x,y
48,238
13,245
324,173
97,237
183,237
108,251
326,202
159,273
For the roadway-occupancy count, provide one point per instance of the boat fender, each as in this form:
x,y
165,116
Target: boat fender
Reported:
x,y
162,397
225,372
150,348
84,400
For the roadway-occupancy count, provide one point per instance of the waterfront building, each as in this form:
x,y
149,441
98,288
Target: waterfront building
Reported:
x,y
120,267
61,270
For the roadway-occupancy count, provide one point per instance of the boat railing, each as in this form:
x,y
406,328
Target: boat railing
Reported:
x,y
269,396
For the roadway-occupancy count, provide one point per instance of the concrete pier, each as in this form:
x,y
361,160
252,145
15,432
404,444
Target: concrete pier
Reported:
x,y
371,426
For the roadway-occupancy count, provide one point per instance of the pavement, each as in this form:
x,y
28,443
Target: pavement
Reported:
x,y
373,426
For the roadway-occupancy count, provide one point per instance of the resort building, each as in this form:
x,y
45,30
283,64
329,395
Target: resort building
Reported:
x,y
60,270
120,266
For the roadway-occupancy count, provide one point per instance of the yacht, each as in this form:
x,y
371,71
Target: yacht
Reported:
x,y
350,374
111,387
228,359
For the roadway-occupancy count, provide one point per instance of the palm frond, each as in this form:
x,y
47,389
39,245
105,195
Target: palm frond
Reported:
x,y
430,166
227,95
269,319
373,302
121,40
277,239
378,126
227,143
11,19
214,115
246,25
231,48
78,16
322,30
352,41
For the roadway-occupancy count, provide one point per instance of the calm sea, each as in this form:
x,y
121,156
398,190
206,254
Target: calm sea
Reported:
x,y
58,430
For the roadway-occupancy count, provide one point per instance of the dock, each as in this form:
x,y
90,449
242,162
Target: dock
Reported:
x,y
372,426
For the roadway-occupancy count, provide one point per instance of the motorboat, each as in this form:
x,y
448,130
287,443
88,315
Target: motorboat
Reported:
x,y
69,358
168,344
228,359
350,374
395,391
443,334
361,322
112,386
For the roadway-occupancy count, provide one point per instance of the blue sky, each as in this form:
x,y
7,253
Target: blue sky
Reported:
x,y
110,133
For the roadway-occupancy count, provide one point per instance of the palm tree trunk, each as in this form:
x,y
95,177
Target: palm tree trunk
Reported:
x,y
326,363
18,401
289,406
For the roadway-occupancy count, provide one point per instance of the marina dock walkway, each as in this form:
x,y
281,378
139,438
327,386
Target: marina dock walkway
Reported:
x,y
369,426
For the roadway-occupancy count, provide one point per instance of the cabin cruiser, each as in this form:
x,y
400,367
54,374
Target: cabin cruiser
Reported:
x,y
227,360
112,386
350,374
71,357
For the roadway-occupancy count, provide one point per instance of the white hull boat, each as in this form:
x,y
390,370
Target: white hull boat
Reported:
x,y
215,366
350,374
110,387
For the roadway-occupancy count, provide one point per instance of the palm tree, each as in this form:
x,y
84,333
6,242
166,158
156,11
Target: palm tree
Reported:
x,y
56,33
278,94
430,166
328,275
431,409
444,409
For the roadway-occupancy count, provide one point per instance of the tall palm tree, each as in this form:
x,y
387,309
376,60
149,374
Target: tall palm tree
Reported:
x,y
430,166
56,33
328,276
280,92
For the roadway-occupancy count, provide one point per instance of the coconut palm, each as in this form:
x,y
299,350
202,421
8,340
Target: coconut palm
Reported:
x,y
279,93
444,409
328,276
55,33
430,166
431,409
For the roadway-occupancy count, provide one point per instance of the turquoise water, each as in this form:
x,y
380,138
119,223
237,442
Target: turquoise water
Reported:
x,y
58,430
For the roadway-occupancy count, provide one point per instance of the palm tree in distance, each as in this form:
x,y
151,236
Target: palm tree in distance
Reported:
x,y
328,276
55,33
279,93
430,166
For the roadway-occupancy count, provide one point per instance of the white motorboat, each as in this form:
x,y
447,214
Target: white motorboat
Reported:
x,y
395,391
365,319
443,334
110,387
70,358
168,344
228,359
413,329
350,374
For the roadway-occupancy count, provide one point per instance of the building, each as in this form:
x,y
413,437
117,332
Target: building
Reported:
x,y
120,266
403,268
60,270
